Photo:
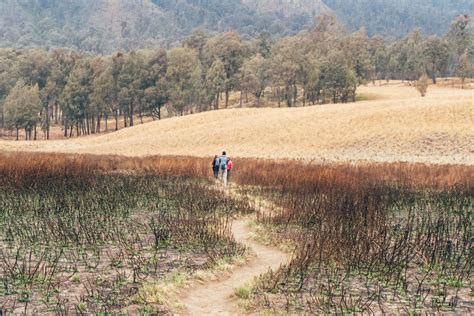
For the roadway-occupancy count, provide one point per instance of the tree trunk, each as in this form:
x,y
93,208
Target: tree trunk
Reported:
x,y
47,122
226,98
2,122
278,96
65,128
56,112
98,124
295,94
131,114
124,120
241,98
304,97
17,133
87,125
36,133
288,96
116,120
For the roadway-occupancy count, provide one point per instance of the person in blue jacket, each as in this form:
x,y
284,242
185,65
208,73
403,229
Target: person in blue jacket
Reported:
x,y
223,168
215,167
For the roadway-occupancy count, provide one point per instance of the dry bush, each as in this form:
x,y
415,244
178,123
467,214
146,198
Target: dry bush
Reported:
x,y
422,85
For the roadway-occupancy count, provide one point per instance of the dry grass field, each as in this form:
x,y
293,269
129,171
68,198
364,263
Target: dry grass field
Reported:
x,y
393,124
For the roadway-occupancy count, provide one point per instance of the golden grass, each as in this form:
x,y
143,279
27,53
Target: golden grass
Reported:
x,y
395,125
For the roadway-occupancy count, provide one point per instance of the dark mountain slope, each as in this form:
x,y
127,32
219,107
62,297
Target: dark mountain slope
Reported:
x,y
108,25
397,18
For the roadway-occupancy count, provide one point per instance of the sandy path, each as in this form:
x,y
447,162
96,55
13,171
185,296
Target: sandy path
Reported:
x,y
216,298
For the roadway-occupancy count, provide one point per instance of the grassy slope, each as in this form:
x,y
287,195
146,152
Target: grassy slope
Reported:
x,y
397,126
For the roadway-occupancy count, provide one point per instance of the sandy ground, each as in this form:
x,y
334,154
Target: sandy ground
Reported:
x,y
395,125
217,298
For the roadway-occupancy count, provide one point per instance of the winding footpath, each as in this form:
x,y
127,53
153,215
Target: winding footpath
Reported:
x,y
217,297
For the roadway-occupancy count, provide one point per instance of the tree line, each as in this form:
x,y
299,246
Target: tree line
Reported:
x,y
82,92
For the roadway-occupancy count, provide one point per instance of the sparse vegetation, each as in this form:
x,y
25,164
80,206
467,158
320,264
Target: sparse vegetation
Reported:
x,y
243,292
368,239
77,236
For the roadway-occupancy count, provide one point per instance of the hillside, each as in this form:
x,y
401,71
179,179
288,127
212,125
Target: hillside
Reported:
x,y
396,18
397,126
289,7
108,25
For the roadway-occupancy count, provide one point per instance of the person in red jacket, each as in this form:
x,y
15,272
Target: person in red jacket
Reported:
x,y
230,165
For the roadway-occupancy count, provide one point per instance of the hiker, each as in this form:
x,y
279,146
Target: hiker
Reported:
x,y
215,167
223,168
229,168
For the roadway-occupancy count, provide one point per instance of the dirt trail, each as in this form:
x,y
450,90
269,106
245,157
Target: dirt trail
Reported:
x,y
216,298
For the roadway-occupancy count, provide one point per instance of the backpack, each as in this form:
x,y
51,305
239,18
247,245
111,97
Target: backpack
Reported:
x,y
223,161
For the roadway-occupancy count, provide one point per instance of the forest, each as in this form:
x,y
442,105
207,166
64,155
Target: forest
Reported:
x,y
395,19
83,92
101,26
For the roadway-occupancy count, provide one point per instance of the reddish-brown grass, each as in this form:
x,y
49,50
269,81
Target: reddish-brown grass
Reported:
x,y
18,168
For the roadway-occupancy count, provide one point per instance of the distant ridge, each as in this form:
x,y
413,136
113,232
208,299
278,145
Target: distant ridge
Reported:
x,y
105,26
290,7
